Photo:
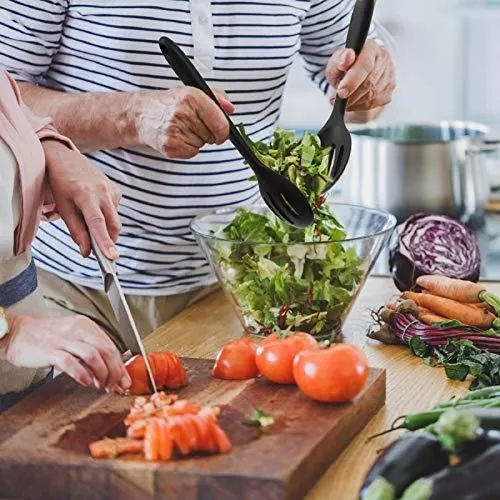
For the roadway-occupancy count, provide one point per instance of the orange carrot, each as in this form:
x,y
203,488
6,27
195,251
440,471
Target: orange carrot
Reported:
x,y
428,317
451,309
459,290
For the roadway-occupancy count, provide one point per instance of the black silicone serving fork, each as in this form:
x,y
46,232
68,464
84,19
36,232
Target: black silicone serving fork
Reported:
x,y
334,132
282,196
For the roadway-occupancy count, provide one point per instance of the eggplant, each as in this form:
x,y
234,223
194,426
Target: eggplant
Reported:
x,y
472,449
477,479
414,455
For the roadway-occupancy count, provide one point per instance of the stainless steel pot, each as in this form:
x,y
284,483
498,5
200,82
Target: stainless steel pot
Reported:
x,y
408,168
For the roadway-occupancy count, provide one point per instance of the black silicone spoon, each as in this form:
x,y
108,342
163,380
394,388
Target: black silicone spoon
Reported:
x,y
282,196
334,132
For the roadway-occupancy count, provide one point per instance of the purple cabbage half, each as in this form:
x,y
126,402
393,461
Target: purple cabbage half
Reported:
x,y
433,244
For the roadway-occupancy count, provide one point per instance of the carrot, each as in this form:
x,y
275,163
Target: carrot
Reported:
x,y
450,288
428,317
451,309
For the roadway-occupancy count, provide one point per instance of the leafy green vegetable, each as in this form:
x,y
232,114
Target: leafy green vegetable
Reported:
x,y
461,358
305,286
260,418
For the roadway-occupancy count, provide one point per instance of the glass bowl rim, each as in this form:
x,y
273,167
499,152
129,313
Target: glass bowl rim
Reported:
x,y
390,223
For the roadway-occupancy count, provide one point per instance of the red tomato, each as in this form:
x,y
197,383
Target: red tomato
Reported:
x,y
167,368
275,355
236,361
139,375
334,375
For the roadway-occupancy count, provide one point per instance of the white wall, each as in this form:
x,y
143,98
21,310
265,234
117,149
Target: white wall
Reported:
x,y
448,64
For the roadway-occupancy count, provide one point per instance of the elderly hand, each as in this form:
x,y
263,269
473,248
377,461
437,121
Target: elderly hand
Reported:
x,y
74,345
368,81
179,122
84,197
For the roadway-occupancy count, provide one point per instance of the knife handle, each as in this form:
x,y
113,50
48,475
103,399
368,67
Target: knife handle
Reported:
x,y
107,266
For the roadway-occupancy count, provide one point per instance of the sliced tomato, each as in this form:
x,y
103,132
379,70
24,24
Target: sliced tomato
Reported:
x,y
181,441
167,370
136,368
189,430
203,433
166,445
152,441
159,367
221,439
177,376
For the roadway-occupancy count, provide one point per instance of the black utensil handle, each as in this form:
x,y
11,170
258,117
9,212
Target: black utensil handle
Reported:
x,y
359,26
191,77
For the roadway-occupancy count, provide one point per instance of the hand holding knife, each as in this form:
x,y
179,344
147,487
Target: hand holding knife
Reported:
x,y
121,309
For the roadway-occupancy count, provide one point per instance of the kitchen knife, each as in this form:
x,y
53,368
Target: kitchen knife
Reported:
x,y
121,309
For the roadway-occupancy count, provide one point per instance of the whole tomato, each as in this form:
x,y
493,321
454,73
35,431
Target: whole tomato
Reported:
x,y
236,361
275,355
333,375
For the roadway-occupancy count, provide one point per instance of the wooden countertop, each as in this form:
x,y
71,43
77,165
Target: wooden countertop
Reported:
x,y
411,385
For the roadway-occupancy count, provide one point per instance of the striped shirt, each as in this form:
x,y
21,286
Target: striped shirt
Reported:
x,y
245,47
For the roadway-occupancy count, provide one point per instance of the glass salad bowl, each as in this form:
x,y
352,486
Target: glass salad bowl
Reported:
x,y
283,278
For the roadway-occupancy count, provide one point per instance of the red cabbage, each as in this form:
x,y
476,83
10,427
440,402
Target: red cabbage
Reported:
x,y
433,244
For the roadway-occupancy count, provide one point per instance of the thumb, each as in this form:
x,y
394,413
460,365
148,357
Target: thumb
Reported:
x,y
339,63
224,101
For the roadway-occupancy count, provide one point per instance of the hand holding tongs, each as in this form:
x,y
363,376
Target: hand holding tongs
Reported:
x,y
334,132
282,196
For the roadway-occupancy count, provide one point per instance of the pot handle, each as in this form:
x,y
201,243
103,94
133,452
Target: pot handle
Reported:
x,y
485,146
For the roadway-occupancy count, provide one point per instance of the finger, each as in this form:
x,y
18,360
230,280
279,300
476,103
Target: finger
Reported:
x,y
117,373
358,73
116,194
338,64
224,101
91,358
76,226
96,224
213,118
373,85
191,127
112,218
177,148
68,364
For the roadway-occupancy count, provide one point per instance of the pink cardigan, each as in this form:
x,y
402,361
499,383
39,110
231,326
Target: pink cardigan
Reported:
x,y
22,131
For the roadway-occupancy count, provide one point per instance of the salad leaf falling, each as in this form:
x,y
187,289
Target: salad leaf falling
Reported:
x,y
304,287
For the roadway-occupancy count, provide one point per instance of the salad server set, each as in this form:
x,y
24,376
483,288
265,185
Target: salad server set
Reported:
x,y
282,196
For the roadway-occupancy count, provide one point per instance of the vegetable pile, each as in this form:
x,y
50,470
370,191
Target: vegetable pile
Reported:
x,y
431,244
287,278
334,374
453,452
453,323
163,426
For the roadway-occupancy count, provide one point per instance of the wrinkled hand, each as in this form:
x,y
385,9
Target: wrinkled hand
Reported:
x,y
179,122
84,197
369,80
74,345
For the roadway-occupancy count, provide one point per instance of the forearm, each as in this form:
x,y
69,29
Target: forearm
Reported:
x,y
92,120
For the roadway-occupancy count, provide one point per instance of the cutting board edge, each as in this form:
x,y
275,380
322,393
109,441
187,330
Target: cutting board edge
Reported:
x,y
296,490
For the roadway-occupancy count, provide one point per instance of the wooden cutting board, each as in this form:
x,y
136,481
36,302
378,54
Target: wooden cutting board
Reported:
x,y
44,439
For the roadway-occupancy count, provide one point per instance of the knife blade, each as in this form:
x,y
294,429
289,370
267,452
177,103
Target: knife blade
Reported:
x,y
121,309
